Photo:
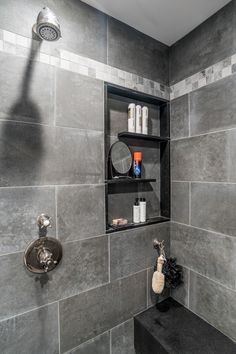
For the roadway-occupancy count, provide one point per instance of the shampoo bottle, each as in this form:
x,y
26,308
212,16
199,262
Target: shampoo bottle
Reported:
x,y
138,119
145,120
131,118
136,212
143,213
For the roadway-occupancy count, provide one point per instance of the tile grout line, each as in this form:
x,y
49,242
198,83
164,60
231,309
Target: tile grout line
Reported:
x,y
188,301
190,201
205,230
59,329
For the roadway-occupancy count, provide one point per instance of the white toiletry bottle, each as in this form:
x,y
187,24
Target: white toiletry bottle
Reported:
x,y
145,120
143,213
138,119
131,118
136,212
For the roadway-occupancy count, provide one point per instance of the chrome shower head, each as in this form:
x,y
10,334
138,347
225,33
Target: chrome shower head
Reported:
x,y
47,26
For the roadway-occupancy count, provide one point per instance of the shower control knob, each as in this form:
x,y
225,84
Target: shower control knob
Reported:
x,y
43,221
45,258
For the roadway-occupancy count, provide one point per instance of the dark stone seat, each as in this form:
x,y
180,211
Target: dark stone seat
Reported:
x,y
173,329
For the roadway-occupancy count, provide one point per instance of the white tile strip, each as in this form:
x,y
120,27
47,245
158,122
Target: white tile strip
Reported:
x,y
205,77
21,46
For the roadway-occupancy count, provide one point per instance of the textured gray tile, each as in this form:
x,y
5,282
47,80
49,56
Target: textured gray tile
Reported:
x,y
122,338
84,29
27,90
210,254
213,107
80,211
152,59
180,202
118,115
179,117
213,207
84,266
79,101
214,303
33,332
152,298
121,199
98,345
111,304
132,250
19,209
36,155
205,158
212,41
181,293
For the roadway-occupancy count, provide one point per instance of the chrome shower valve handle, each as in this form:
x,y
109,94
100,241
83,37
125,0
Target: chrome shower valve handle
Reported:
x,y
45,253
43,221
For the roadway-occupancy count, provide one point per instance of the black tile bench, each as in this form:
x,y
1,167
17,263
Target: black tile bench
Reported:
x,y
170,328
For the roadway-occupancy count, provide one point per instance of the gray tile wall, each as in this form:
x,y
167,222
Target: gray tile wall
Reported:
x,y
212,41
52,161
203,156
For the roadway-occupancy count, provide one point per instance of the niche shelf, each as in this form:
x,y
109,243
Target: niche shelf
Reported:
x,y
155,182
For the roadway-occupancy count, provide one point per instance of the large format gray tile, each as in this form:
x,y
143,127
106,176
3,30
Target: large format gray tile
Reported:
x,y
210,254
79,101
143,55
80,211
97,345
210,42
213,107
180,202
209,157
122,338
214,303
179,117
84,29
181,293
24,94
84,266
213,207
36,155
33,332
19,209
132,250
85,316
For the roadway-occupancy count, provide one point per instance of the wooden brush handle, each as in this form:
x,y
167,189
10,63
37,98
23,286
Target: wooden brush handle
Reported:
x,y
160,262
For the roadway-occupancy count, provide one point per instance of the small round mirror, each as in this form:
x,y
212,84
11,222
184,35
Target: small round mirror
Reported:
x,y
121,157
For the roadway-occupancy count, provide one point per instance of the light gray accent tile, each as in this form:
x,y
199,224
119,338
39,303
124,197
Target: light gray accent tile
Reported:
x,y
179,117
122,338
213,107
151,61
180,202
33,332
36,155
212,255
84,265
98,345
111,304
210,42
19,209
181,293
79,22
121,199
214,303
80,211
205,158
79,101
132,250
152,298
213,207
26,91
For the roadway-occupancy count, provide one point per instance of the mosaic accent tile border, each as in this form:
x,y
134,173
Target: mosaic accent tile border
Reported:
x,y
29,48
212,74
